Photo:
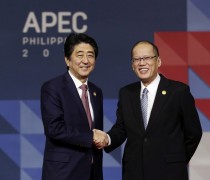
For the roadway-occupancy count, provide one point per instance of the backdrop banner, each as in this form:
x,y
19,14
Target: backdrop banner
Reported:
x,y
32,35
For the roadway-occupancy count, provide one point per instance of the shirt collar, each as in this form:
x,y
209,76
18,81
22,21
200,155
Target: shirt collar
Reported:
x,y
76,81
152,87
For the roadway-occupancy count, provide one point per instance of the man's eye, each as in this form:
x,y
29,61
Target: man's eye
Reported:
x,y
90,56
146,58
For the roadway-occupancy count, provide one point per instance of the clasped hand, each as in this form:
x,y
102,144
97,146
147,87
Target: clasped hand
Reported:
x,y
100,139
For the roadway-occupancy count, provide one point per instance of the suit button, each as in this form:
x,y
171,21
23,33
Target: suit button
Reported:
x,y
145,139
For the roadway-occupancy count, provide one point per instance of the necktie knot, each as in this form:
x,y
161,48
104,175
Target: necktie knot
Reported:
x,y
145,91
83,87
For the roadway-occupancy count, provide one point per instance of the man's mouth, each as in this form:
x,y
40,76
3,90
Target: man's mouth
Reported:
x,y
85,67
143,70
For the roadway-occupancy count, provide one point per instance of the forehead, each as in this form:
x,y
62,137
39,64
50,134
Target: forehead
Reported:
x,y
143,49
83,47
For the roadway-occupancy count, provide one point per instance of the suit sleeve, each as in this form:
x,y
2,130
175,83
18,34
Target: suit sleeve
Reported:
x,y
117,133
55,126
191,123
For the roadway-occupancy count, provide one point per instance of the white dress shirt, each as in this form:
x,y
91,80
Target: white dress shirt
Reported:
x,y
152,88
78,83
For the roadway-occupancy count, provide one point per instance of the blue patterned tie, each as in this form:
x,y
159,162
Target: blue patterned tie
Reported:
x,y
144,106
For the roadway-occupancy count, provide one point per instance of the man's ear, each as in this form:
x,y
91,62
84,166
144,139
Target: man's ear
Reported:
x,y
159,62
67,61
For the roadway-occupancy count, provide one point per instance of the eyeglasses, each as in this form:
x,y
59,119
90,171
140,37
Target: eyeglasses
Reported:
x,y
146,59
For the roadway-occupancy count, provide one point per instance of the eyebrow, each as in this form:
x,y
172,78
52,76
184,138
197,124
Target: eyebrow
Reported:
x,y
92,52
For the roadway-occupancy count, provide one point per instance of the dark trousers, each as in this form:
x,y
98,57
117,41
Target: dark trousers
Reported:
x,y
91,173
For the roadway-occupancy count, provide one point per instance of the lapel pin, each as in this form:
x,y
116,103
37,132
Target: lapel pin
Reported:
x,y
163,92
94,93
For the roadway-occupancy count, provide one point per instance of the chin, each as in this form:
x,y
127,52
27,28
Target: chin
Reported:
x,y
143,76
85,74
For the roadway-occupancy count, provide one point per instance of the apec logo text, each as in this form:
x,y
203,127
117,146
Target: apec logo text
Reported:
x,y
64,22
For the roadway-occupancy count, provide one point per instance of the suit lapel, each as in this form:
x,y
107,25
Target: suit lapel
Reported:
x,y
72,91
160,100
136,106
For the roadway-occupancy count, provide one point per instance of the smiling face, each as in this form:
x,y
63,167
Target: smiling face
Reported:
x,y
144,64
82,61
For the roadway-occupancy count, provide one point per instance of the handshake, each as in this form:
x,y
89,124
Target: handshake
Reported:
x,y
100,139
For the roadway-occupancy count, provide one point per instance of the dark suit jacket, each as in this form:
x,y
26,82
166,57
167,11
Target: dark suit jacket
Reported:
x,y
163,151
69,151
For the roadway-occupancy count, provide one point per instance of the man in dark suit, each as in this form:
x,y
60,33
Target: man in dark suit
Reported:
x,y
161,139
69,150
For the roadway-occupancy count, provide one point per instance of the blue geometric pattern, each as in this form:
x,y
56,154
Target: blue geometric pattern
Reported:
x,y
198,19
6,107
205,123
21,130
198,87
198,15
22,152
9,169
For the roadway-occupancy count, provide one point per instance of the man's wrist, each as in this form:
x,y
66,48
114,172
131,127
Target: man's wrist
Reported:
x,y
109,140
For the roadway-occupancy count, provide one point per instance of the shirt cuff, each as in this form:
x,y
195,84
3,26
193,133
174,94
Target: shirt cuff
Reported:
x,y
109,139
